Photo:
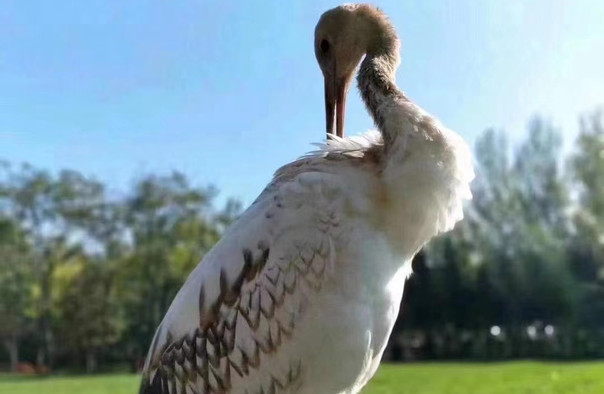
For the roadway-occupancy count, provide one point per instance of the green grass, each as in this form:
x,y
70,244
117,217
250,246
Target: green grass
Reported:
x,y
437,378
108,384
499,378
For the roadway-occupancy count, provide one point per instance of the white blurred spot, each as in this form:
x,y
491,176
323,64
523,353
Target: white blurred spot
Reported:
x,y
549,330
495,331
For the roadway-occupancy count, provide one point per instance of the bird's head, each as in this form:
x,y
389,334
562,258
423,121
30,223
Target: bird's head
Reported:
x,y
342,37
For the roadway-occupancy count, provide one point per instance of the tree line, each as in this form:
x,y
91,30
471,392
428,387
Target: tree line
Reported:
x,y
87,273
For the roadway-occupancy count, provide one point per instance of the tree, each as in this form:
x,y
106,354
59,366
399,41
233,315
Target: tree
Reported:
x,y
172,226
51,211
587,170
28,198
89,317
521,223
16,279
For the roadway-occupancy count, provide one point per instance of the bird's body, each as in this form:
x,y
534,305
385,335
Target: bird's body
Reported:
x,y
301,293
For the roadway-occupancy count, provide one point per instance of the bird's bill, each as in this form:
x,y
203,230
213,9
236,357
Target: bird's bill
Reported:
x,y
335,105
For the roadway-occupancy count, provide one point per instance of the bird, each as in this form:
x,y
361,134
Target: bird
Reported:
x,y
301,293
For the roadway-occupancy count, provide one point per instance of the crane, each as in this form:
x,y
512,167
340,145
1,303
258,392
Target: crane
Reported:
x,y
301,293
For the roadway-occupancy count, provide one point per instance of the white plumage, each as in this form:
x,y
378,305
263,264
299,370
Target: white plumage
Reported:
x,y
301,293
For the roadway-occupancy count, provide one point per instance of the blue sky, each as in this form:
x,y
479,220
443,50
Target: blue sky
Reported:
x,y
226,91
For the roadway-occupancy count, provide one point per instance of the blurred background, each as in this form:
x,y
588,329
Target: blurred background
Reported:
x,y
133,133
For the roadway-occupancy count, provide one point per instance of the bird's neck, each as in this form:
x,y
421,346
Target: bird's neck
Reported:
x,y
378,88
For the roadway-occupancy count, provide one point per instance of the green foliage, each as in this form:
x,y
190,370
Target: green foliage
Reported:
x,y
171,226
88,277
16,279
88,311
587,168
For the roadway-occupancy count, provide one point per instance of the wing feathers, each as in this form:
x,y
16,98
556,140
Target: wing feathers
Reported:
x,y
248,301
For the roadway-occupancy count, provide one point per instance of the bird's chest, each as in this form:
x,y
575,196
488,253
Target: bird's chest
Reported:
x,y
355,313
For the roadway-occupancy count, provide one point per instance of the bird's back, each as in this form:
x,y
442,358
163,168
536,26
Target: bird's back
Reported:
x,y
301,293
281,294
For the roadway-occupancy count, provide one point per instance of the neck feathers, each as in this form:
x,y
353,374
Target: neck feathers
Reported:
x,y
376,78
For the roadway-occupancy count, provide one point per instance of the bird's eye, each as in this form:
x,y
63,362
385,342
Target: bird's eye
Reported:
x,y
324,46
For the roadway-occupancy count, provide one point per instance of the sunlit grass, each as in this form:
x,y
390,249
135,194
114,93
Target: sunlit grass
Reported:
x,y
437,378
109,384
497,378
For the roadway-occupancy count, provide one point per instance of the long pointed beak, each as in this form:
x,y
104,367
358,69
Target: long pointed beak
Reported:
x,y
335,105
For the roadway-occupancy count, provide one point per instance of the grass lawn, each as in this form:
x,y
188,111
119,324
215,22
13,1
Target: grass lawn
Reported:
x,y
517,378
